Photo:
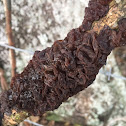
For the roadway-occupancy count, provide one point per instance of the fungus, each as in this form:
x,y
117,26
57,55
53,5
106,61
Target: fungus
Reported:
x,y
68,67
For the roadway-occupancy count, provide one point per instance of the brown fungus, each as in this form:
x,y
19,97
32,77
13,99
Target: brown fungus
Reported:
x,y
68,67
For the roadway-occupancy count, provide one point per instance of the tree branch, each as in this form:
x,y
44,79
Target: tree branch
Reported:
x,y
7,7
4,85
116,12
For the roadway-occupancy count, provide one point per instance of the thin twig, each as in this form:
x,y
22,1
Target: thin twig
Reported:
x,y
7,6
4,84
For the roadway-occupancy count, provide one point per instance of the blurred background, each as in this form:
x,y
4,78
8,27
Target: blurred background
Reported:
x,y
36,25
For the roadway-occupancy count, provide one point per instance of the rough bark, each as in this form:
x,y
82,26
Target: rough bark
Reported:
x,y
69,66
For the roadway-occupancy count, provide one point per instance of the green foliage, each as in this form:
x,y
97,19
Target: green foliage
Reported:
x,y
54,117
77,125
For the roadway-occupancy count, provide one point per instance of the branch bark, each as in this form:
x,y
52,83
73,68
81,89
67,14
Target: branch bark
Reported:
x,y
116,12
7,7
4,84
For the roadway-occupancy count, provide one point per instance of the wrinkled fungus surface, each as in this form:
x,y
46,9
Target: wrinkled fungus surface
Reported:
x,y
69,66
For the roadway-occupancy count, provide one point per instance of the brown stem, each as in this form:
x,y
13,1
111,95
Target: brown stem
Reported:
x,y
7,6
4,84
